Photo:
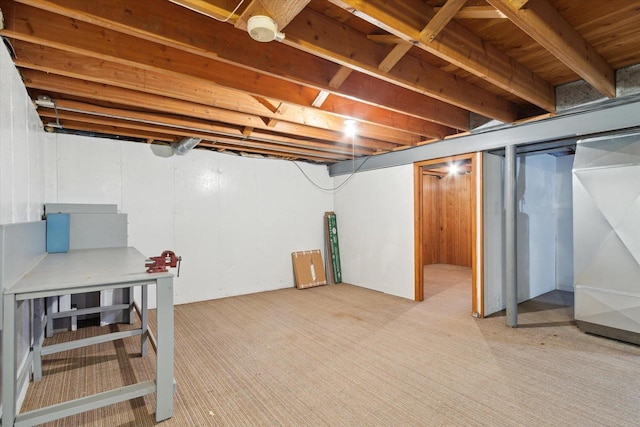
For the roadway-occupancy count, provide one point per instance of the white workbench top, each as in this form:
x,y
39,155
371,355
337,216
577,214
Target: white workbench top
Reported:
x,y
85,268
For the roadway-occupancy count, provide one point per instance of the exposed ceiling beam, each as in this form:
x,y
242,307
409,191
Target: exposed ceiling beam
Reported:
x,y
282,12
157,127
339,77
48,84
321,36
163,82
336,81
390,39
477,12
48,118
441,19
240,149
396,54
542,22
219,11
319,100
518,4
215,40
457,45
271,106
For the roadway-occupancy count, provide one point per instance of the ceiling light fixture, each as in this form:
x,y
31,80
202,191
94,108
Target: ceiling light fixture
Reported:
x,y
454,169
350,127
263,29
185,145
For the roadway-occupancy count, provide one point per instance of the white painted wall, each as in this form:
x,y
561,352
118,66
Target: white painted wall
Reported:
x,y
545,217
494,250
21,169
536,242
375,224
234,220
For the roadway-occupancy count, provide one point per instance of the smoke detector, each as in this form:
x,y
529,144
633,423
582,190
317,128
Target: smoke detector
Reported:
x,y
263,29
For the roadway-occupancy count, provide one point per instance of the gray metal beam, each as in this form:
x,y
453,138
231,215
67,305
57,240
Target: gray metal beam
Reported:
x,y
610,116
510,227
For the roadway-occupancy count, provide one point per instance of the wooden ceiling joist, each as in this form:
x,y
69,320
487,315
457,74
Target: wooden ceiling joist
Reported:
x,y
316,34
81,67
240,150
441,19
282,12
547,27
457,45
47,84
336,81
179,86
236,57
407,72
179,125
393,57
477,12
142,130
218,11
116,131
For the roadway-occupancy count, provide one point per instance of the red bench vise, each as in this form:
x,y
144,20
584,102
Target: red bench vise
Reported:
x,y
159,264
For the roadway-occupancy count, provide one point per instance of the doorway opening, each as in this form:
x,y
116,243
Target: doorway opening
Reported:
x,y
448,223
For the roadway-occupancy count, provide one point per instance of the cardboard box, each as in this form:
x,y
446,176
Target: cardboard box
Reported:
x,y
308,269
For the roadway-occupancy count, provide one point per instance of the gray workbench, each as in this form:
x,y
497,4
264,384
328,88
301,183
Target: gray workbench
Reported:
x,y
87,271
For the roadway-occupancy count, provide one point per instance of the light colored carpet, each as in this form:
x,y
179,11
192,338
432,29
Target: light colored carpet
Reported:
x,y
341,355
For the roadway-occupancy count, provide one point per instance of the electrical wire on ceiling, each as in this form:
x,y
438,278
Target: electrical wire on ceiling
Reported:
x,y
179,3
352,131
319,187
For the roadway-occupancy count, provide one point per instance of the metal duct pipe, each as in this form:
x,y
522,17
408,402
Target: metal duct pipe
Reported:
x,y
185,145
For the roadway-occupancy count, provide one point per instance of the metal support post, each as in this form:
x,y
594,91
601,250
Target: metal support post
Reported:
x,y
510,262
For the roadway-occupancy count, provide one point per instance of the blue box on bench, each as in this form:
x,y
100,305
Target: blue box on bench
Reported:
x,y
58,232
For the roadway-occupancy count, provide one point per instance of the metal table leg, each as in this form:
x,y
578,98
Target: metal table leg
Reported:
x,y
38,337
144,320
164,360
9,361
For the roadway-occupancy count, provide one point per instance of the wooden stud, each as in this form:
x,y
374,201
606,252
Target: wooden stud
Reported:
x,y
441,19
214,47
477,12
459,46
550,29
282,12
395,56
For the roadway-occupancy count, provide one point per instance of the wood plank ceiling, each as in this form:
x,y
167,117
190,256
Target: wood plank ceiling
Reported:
x,y
409,72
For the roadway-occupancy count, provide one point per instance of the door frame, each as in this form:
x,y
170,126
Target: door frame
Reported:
x,y
477,259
